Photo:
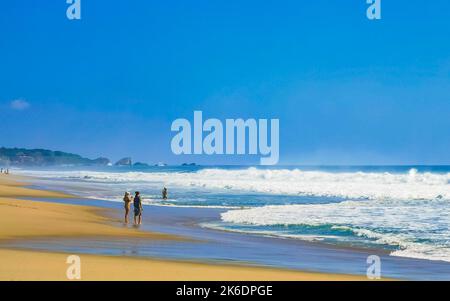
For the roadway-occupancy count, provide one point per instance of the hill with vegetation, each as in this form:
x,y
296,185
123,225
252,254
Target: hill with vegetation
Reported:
x,y
43,157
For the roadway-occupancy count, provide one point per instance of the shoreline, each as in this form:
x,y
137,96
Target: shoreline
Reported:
x,y
51,266
23,218
28,219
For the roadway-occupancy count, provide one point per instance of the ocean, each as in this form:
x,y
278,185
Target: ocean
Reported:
x,y
401,209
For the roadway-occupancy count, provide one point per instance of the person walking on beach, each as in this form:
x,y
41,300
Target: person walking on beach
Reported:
x,y
127,199
137,204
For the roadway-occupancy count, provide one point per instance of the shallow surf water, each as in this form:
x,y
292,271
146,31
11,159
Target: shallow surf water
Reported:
x,y
401,210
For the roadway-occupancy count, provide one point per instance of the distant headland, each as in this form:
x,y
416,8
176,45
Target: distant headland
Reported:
x,y
22,157
44,157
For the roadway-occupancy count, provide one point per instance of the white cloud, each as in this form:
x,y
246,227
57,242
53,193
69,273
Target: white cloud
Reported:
x,y
19,104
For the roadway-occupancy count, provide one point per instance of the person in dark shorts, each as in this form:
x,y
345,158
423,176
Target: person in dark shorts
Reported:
x,y
164,193
137,203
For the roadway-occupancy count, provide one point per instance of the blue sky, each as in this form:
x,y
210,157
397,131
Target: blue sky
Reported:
x,y
346,90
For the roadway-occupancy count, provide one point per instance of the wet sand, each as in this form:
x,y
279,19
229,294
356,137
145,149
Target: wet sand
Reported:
x,y
27,220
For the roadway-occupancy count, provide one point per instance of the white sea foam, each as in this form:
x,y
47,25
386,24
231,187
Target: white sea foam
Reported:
x,y
351,185
420,229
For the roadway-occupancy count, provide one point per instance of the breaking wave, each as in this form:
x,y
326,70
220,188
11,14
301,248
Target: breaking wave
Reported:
x,y
411,185
417,229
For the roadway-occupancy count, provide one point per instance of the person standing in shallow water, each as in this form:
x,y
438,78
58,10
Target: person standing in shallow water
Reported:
x,y
127,199
137,204
164,193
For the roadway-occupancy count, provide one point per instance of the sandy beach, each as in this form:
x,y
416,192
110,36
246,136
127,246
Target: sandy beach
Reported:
x,y
26,220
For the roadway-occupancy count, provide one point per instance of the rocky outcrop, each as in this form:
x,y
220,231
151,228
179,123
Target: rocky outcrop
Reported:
x,y
124,162
140,165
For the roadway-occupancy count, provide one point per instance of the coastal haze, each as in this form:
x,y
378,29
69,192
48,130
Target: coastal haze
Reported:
x,y
347,90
